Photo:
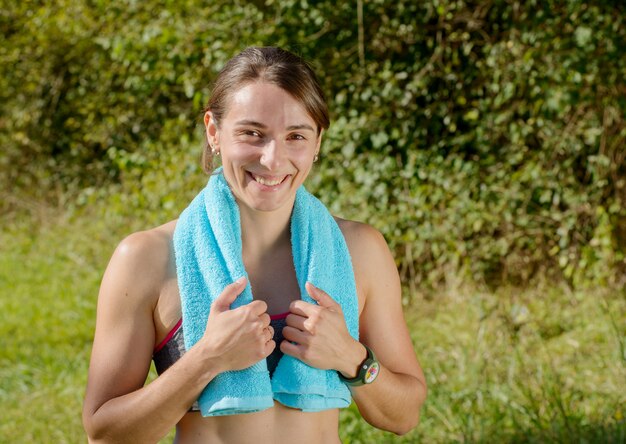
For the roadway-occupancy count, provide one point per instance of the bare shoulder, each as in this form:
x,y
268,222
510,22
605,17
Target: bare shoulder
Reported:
x,y
154,242
373,263
362,239
142,261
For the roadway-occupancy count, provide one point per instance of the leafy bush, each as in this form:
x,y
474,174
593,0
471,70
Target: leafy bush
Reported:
x,y
485,139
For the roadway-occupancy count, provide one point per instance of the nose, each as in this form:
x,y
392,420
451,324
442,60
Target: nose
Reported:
x,y
273,155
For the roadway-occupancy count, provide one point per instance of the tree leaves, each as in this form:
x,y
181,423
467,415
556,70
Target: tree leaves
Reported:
x,y
483,138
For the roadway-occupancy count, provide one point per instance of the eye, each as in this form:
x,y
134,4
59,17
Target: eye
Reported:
x,y
296,136
249,134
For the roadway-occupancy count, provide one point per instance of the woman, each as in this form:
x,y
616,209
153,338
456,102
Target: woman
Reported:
x,y
266,118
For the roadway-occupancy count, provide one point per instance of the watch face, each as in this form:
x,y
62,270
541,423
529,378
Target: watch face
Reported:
x,y
371,373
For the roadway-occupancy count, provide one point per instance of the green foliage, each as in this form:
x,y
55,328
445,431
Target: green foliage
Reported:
x,y
485,139
498,150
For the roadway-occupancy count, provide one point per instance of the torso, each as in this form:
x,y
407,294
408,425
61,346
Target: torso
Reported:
x,y
275,425
278,424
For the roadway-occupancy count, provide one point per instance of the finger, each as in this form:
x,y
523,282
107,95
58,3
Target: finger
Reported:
x,y
269,348
321,297
265,319
291,349
257,308
296,321
302,308
228,295
268,333
294,335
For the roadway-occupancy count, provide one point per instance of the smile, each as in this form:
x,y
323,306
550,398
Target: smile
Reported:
x,y
268,181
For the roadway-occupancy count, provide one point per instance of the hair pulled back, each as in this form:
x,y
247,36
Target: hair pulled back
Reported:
x,y
272,65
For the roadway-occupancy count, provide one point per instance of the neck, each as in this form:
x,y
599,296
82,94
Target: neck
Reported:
x,y
263,232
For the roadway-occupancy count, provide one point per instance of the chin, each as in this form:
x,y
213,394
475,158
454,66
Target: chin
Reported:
x,y
265,207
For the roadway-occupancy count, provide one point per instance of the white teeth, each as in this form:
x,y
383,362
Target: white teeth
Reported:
x,y
267,182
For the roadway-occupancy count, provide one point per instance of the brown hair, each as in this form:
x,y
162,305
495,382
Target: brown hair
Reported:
x,y
273,65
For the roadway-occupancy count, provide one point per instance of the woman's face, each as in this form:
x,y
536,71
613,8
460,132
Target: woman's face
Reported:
x,y
267,142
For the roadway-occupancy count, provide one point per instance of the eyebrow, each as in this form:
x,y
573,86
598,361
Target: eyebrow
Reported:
x,y
302,126
250,123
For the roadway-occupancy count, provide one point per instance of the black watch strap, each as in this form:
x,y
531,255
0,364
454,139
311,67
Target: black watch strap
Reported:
x,y
368,371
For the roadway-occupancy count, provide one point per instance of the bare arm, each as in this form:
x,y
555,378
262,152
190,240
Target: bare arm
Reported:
x,y
118,407
393,401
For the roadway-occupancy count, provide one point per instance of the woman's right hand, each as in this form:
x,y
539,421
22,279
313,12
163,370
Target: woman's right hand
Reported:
x,y
240,337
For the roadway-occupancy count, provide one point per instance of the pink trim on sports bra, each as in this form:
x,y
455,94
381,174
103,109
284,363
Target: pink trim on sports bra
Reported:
x,y
169,336
180,322
279,316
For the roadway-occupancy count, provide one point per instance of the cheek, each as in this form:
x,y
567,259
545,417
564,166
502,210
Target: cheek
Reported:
x,y
304,154
239,151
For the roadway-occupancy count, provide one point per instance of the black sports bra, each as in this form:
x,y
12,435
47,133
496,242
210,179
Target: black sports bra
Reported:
x,y
173,347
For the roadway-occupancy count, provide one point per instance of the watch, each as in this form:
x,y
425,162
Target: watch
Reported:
x,y
368,371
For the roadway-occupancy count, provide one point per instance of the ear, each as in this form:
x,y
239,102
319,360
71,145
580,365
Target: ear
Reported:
x,y
212,131
319,141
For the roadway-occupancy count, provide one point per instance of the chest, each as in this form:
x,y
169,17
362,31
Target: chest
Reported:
x,y
272,280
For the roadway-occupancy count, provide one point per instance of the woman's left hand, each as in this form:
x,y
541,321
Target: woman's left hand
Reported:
x,y
318,335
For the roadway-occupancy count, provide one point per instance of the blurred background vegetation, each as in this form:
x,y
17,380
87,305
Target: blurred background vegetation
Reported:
x,y
485,139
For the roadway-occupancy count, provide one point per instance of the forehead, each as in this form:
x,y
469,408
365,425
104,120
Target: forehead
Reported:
x,y
267,103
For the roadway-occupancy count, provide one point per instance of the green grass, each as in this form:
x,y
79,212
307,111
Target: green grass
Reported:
x,y
538,365
517,366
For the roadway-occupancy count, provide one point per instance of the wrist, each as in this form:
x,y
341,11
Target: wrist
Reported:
x,y
208,358
352,360
367,371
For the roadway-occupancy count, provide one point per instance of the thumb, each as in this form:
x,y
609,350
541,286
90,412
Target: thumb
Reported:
x,y
321,297
228,295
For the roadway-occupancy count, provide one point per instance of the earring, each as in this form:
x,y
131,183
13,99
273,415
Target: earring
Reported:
x,y
315,159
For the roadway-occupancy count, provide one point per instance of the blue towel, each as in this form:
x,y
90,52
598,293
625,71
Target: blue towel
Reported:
x,y
207,244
